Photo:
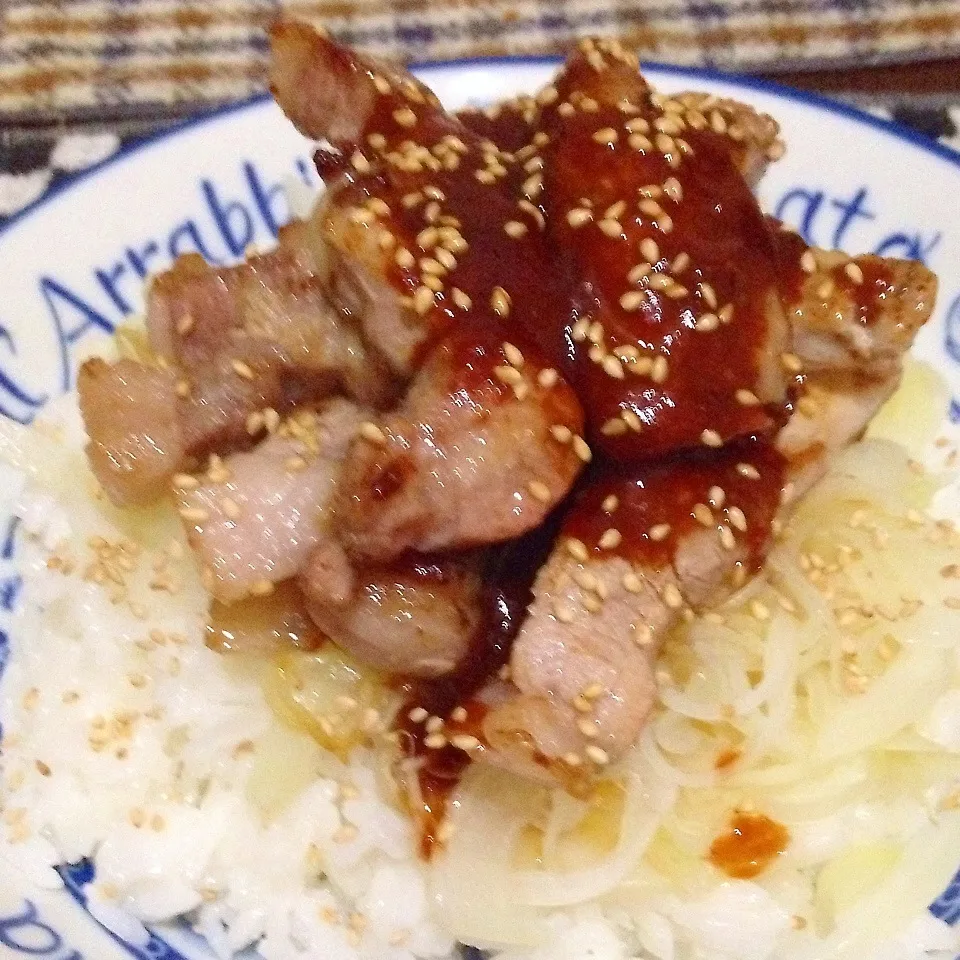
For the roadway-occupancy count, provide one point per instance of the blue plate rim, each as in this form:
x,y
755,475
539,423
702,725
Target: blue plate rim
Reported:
x,y
819,102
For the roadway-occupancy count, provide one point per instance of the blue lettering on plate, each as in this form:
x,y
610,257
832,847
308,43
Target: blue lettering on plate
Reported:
x,y
947,906
26,933
826,220
16,401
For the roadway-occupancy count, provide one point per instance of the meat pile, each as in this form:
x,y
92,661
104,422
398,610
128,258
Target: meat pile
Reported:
x,y
558,328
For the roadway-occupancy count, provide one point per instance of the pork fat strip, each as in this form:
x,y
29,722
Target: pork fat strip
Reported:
x,y
254,518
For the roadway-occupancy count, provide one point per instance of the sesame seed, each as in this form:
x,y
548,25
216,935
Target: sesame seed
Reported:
x,y
639,272
637,125
791,362
418,715
261,588
737,518
748,470
727,540
513,355
651,208
577,549
610,539
614,427
825,290
659,532
562,614
560,433
711,438
854,272
461,299
680,262
533,186
423,299
500,302
194,514
649,250
515,229
708,294
579,216
808,262
359,162
371,432
612,228
230,508
185,324
707,323
669,124
665,144
631,582
718,122
548,378
404,258
405,117
582,450
612,367
747,398
539,491
606,135
701,513
631,420
665,223
242,369
459,714
572,759
660,370
637,141
588,727
464,741
597,755
725,313
672,596
673,189
616,210
509,375
429,265
185,481
435,741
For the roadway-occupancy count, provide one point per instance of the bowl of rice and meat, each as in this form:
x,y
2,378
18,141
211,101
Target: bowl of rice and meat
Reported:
x,y
531,551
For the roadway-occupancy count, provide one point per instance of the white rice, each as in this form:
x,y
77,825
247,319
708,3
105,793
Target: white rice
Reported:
x,y
127,741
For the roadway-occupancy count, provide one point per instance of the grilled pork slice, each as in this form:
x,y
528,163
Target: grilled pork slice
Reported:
x,y
414,617
254,518
480,451
275,301
136,435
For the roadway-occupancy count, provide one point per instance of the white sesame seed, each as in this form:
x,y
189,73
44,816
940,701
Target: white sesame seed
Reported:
x,y
614,427
702,514
631,419
707,323
423,299
507,374
194,514
577,549
230,508
854,272
672,596
185,481
560,433
548,378
612,367
791,362
513,355
405,117
808,262
588,727
404,258
673,189
582,450
639,272
371,432
610,503
726,538
638,141
500,302
680,262
610,539
539,491
461,299
651,208
717,496
464,741
747,398
597,755
631,582
725,313
515,229
612,228
649,250
660,370
737,518
711,438
242,369
748,470
606,135
579,216
659,532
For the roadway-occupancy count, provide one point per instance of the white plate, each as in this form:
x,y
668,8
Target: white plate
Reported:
x,y
72,266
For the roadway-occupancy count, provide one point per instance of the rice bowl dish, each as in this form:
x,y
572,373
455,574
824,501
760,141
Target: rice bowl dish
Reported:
x,y
239,760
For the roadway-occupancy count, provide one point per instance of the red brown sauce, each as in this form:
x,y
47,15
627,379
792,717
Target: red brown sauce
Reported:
x,y
869,293
675,493
790,247
751,844
507,582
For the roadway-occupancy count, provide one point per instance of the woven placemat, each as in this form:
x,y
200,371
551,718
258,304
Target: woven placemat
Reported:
x,y
71,58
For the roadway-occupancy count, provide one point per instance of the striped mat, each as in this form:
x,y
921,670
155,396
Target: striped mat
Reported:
x,y
76,58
